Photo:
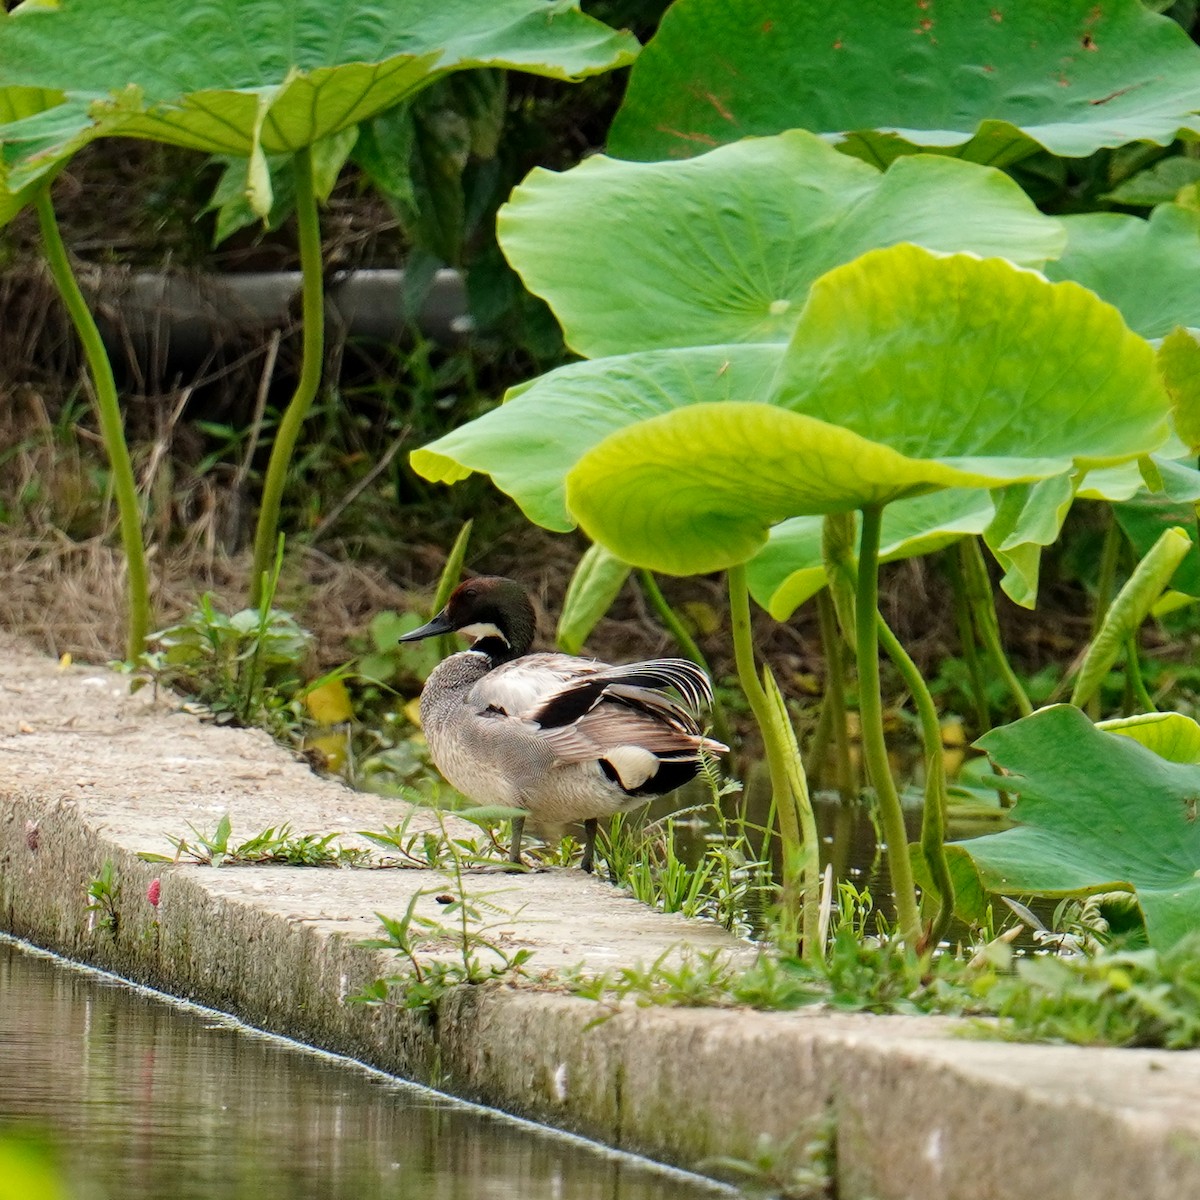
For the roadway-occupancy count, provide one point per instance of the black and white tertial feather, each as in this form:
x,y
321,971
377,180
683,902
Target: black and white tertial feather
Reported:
x,y
563,738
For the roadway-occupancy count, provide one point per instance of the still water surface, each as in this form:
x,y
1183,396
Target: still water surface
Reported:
x,y
147,1100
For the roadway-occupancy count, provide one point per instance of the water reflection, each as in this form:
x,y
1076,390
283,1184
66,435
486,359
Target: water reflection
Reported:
x,y
146,1100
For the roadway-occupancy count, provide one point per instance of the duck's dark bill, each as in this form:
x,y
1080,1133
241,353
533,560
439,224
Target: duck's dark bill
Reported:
x,y
432,628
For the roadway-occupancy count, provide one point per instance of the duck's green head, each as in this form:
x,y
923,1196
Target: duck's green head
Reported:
x,y
494,612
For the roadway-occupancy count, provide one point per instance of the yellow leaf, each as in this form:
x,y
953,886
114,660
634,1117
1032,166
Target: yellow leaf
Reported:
x,y
330,704
331,748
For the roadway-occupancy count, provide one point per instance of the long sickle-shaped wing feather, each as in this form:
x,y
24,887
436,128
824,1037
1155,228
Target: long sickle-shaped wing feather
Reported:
x,y
640,684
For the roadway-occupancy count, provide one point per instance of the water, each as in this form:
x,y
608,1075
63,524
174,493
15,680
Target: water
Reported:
x,y
142,1099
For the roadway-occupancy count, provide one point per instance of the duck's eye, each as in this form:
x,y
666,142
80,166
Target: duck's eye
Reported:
x,y
468,593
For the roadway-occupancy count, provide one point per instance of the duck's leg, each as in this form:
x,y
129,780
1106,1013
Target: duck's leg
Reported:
x,y
514,850
590,826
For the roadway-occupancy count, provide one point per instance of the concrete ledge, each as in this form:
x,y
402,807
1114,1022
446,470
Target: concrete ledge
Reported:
x,y
89,773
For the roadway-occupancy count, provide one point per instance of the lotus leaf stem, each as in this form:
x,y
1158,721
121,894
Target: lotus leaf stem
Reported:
x,y
1137,682
870,703
983,609
112,429
797,825
835,694
311,363
968,645
1106,585
933,820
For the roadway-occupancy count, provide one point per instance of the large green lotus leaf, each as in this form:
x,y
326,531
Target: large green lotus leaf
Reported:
x,y
249,77
1097,812
909,371
991,80
724,247
789,570
941,356
1149,269
528,444
698,489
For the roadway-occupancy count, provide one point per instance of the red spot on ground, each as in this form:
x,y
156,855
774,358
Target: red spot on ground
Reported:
x,y
996,15
838,44
924,25
768,26
988,68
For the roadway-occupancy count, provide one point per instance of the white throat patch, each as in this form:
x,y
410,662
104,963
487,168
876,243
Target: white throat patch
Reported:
x,y
481,630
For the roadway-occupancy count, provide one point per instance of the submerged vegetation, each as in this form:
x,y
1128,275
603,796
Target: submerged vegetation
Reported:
x,y
820,327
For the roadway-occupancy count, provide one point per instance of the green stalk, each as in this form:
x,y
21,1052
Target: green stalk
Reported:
x,y
870,704
801,883
983,609
835,692
808,853
1133,673
311,362
112,430
967,644
1106,583
671,620
933,819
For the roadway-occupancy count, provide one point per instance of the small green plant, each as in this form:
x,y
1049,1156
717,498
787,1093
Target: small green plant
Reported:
x,y
708,979
103,892
730,883
244,668
784,1170
433,850
1112,998
275,844
425,980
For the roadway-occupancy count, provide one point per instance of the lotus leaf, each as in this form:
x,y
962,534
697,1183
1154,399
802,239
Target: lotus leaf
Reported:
x,y
528,444
908,371
1096,812
1149,269
1158,184
991,81
255,77
1028,517
1179,363
739,235
1143,520
788,570
1170,735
